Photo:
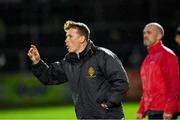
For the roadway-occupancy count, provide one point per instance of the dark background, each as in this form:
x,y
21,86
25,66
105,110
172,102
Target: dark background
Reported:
x,y
114,24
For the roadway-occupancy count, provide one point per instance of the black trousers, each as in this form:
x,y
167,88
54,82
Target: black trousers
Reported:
x,y
158,115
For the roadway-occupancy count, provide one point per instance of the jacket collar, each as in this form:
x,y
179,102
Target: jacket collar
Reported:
x,y
155,48
88,51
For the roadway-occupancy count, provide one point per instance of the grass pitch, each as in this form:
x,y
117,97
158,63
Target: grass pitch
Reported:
x,y
55,113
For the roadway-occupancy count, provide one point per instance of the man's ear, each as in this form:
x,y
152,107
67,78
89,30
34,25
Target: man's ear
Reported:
x,y
82,39
159,36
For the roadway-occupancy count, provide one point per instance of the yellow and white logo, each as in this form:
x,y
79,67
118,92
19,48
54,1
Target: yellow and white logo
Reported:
x,y
91,72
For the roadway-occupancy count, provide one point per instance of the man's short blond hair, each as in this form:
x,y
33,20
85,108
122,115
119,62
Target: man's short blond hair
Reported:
x,y
82,28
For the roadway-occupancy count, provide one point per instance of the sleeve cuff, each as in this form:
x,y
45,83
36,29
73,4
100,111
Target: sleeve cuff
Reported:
x,y
38,64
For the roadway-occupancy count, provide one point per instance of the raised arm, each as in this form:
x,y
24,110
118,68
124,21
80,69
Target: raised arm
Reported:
x,y
48,75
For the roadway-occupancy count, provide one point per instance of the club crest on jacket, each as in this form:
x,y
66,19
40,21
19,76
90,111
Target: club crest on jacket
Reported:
x,y
91,72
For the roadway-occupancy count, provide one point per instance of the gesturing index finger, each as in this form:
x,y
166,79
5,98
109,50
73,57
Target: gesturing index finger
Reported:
x,y
34,47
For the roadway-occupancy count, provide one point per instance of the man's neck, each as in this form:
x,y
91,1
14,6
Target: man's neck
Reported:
x,y
82,48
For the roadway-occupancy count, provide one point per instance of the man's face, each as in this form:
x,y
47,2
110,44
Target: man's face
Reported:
x,y
73,40
177,39
151,35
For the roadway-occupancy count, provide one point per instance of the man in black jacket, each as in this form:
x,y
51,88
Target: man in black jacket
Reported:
x,y
97,78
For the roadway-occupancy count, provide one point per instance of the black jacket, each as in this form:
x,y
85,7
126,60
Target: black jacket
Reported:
x,y
96,76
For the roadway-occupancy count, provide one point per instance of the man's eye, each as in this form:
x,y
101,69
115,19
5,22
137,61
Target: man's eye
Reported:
x,y
68,36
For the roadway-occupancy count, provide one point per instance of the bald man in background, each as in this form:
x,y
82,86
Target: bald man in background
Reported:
x,y
160,77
